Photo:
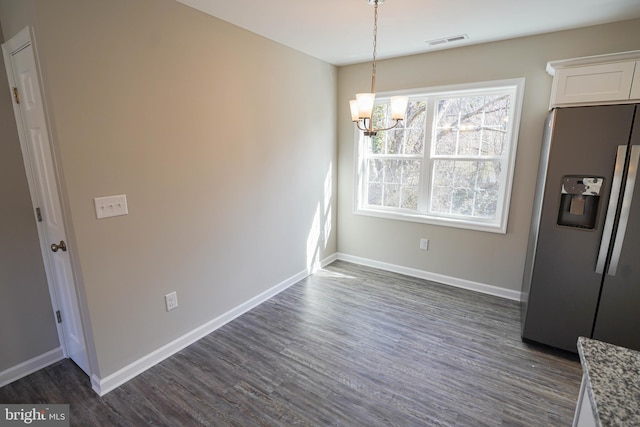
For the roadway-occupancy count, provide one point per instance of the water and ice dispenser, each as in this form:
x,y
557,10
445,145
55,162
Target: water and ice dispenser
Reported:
x,y
579,201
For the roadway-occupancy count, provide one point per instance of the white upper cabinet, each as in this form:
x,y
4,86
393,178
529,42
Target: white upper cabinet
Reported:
x,y
594,83
635,87
595,80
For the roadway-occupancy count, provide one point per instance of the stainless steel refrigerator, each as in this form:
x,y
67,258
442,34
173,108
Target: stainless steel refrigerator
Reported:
x,y
582,271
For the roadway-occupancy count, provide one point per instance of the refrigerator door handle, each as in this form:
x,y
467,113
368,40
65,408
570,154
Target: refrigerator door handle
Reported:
x,y
627,198
610,218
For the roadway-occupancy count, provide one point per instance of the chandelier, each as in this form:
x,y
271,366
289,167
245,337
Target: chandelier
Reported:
x,y
362,106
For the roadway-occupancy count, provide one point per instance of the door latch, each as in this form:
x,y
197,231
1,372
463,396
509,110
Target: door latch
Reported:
x,y
16,96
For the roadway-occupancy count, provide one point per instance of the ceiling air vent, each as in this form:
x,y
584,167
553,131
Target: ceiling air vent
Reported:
x,y
438,42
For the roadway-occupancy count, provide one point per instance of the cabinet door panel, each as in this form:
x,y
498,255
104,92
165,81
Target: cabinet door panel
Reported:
x,y
595,83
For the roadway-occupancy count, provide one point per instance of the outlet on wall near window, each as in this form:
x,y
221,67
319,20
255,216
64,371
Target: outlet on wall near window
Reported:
x,y
171,300
424,244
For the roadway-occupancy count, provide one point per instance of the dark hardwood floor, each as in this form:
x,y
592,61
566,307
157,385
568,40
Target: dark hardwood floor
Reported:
x,y
348,346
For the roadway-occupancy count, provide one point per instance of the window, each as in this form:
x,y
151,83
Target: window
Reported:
x,y
450,162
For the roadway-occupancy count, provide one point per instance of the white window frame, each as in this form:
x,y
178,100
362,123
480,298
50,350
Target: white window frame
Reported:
x,y
497,225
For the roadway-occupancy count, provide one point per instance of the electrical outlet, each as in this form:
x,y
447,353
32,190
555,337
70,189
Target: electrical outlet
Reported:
x,y
171,300
424,244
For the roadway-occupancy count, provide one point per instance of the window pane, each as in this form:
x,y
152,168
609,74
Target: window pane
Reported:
x,y
462,202
497,111
446,141
394,141
447,127
471,112
441,200
464,174
416,114
411,172
374,194
409,197
394,183
463,187
496,124
414,143
376,170
391,195
392,171
486,204
489,175
443,173
375,144
448,113
493,142
469,143
380,116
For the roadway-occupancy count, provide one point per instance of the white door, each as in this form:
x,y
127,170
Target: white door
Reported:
x,y
24,83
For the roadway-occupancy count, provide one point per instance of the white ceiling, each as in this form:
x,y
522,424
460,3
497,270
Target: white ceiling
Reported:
x,y
341,31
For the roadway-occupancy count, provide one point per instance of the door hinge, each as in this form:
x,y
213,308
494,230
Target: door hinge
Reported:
x,y
59,316
16,96
38,215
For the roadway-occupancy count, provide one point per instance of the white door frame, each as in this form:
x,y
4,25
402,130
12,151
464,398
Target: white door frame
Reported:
x,y
44,190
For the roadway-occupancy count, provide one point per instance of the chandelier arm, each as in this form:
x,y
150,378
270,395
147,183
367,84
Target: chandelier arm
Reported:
x,y
396,123
368,129
367,124
360,127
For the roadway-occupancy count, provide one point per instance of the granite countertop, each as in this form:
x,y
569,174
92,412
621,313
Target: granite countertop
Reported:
x,y
613,375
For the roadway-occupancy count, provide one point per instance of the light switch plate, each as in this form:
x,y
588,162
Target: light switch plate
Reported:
x,y
111,206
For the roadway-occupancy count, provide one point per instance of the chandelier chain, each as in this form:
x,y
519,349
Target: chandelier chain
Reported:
x,y
375,46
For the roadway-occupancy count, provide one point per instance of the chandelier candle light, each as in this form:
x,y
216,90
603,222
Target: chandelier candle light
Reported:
x,y
362,106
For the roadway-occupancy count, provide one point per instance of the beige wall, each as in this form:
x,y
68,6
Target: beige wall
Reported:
x,y
224,143
27,327
487,258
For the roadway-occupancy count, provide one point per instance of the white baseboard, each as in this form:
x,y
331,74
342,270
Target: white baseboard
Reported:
x,y
440,278
104,385
30,366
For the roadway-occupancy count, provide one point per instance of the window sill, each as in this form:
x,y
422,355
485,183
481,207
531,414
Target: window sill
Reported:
x,y
441,221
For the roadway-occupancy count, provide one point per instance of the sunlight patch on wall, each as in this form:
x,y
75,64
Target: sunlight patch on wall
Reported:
x,y
328,193
321,225
313,240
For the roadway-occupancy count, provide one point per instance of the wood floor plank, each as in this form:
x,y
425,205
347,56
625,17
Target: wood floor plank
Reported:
x,y
348,346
